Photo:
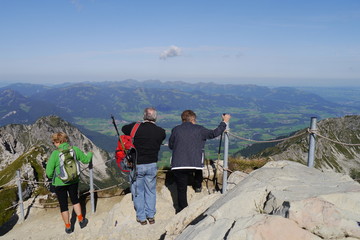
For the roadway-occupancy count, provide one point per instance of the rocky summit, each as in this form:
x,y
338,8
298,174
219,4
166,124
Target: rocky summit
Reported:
x,y
282,200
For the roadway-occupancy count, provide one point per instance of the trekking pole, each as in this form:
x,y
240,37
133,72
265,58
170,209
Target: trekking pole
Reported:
x,y
215,179
113,121
117,131
219,152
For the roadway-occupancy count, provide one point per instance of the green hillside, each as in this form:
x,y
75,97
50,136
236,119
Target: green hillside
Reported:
x,y
258,112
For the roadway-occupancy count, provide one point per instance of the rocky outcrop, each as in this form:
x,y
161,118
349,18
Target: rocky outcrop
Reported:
x,y
283,200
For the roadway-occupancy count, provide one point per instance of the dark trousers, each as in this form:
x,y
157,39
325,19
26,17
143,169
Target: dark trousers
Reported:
x,y
182,179
63,192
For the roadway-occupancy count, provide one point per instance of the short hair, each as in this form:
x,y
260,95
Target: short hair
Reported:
x,y
59,137
150,114
188,116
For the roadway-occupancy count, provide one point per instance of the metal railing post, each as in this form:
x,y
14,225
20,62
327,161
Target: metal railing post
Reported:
x,y
226,155
21,203
312,142
91,174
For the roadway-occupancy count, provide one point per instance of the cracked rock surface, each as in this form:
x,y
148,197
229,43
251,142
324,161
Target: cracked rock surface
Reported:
x,y
283,200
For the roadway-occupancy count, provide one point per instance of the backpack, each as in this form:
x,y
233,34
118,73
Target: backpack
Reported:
x,y
69,166
125,153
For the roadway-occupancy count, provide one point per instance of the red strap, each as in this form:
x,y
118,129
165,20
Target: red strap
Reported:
x,y
134,129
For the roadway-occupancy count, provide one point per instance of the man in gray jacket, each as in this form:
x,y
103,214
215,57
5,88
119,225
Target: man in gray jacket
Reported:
x,y
187,142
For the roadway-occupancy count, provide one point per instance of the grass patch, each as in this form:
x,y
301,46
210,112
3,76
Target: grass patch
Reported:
x,y
246,165
7,197
355,174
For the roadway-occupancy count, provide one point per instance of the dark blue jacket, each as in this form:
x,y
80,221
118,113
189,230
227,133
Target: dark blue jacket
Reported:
x,y
187,143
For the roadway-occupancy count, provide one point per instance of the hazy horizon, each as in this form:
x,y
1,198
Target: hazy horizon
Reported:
x,y
51,83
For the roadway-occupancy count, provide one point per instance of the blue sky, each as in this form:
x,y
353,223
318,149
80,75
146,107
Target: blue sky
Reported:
x,y
281,43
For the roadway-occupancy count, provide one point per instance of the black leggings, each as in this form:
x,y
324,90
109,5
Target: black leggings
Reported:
x,y
62,195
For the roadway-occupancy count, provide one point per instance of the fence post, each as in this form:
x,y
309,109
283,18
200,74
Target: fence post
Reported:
x,y
312,142
226,154
92,187
21,203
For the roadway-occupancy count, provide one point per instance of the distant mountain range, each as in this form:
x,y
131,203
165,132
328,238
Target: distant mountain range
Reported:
x,y
257,112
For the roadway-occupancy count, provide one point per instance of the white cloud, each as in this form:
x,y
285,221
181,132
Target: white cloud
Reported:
x,y
77,4
173,51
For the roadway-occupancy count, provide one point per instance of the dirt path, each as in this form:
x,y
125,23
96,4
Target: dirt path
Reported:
x,y
47,223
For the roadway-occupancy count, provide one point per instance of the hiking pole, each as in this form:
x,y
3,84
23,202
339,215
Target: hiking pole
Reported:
x,y
113,121
117,131
215,179
219,152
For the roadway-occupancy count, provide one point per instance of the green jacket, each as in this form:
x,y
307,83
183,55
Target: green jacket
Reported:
x,y
53,164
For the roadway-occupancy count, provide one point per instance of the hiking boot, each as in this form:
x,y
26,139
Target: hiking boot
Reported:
x,y
83,223
151,220
68,230
141,222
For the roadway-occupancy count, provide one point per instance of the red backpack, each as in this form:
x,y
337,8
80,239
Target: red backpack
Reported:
x,y
125,153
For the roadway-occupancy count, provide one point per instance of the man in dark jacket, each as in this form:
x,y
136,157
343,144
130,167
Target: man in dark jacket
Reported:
x,y
147,141
187,142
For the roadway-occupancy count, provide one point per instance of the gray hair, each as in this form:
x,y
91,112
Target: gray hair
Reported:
x,y
150,114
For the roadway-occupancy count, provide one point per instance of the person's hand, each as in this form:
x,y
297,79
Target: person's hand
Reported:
x,y
226,117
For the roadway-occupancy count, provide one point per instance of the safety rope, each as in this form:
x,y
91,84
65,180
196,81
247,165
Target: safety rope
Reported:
x,y
267,141
11,207
103,189
331,140
5,185
31,181
87,167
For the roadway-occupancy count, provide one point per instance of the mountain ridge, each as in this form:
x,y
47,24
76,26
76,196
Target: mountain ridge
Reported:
x,y
337,146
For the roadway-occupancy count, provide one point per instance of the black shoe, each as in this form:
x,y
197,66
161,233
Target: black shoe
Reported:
x,y
151,220
83,223
198,190
141,222
68,230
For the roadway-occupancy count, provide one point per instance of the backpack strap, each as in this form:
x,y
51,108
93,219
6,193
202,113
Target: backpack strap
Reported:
x,y
133,175
134,129
122,143
132,134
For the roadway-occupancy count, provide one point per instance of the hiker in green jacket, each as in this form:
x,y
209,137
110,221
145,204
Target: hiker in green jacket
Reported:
x,y
63,189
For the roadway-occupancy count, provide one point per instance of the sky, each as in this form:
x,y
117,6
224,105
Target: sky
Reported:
x,y
268,42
